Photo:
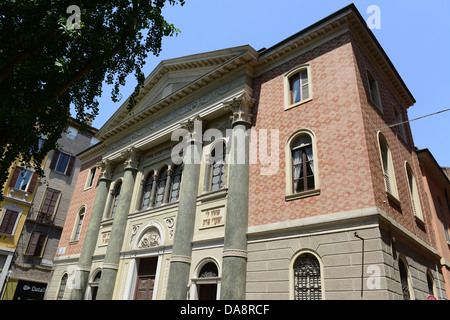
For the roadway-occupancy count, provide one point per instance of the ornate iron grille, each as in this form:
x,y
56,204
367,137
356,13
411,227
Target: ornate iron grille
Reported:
x,y
307,283
209,270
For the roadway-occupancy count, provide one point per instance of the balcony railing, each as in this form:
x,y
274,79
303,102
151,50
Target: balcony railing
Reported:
x,y
45,218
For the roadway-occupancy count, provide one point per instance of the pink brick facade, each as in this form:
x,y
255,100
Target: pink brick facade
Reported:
x,y
402,151
81,197
345,125
333,78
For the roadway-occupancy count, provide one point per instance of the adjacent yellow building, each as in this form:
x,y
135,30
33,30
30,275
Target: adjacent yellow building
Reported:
x,y
18,195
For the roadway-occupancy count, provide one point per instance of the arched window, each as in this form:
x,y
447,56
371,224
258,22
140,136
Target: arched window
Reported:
x,y
217,167
116,195
146,192
79,224
387,166
94,285
160,187
177,172
302,164
430,283
307,278
414,193
404,281
207,281
62,287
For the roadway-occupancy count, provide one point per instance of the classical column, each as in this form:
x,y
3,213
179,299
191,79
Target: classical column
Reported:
x,y
234,263
167,186
153,191
185,222
90,240
112,256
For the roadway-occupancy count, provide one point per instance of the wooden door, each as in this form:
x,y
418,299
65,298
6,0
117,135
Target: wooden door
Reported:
x,y
207,291
144,288
145,279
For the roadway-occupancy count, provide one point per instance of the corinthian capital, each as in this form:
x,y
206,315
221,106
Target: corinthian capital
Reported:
x,y
241,108
194,129
106,170
131,156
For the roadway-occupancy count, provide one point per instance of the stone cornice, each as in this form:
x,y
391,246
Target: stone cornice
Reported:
x,y
118,121
350,18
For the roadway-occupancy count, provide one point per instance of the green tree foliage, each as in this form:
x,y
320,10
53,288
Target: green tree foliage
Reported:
x,y
50,58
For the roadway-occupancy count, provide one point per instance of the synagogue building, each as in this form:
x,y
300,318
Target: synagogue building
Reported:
x,y
287,172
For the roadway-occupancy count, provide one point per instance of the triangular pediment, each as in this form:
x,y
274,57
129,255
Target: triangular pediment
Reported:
x,y
168,78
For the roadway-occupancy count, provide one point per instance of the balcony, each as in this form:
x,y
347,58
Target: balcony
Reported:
x,y
45,218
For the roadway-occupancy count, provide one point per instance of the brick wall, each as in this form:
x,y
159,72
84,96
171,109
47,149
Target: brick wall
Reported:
x,y
334,115
402,151
81,197
344,124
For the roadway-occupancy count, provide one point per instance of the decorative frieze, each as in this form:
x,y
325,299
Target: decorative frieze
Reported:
x,y
151,238
170,223
134,230
167,118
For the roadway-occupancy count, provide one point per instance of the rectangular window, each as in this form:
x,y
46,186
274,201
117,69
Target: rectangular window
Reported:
x,y
23,180
36,245
63,161
49,205
444,222
9,221
79,224
91,177
398,121
94,141
72,133
373,90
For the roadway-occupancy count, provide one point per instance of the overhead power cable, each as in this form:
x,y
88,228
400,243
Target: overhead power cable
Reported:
x,y
399,123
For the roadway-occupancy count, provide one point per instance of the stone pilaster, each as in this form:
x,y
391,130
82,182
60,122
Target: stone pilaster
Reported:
x,y
90,240
112,257
234,263
185,222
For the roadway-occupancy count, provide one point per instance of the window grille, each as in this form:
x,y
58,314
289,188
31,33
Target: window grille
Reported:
x,y
307,279
209,270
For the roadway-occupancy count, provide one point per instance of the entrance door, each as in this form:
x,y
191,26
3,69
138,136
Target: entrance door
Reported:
x,y
207,291
145,279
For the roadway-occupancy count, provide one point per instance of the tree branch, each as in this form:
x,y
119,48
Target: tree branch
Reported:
x,y
88,67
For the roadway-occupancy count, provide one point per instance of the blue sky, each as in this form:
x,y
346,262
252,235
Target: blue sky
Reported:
x,y
414,34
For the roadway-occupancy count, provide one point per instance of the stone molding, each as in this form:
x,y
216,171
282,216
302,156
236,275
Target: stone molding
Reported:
x,y
112,266
235,253
184,259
